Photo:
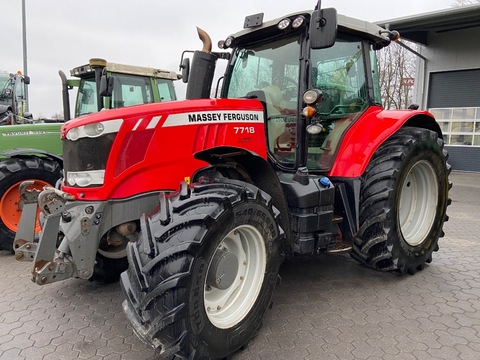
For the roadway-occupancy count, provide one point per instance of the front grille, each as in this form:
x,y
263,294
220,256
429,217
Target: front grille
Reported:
x,y
87,154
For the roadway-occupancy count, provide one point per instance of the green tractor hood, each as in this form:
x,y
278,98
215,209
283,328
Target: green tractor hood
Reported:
x,y
31,138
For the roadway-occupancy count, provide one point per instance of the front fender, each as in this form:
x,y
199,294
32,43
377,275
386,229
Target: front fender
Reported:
x,y
365,136
248,166
36,138
33,152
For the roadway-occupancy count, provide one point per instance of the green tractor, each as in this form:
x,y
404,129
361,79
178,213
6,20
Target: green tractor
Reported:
x,y
33,151
13,99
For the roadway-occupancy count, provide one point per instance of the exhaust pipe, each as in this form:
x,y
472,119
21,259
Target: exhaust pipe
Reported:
x,y
65,96
206,40
203,69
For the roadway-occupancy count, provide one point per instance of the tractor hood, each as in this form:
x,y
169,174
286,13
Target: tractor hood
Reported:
x,y
44,136
157,142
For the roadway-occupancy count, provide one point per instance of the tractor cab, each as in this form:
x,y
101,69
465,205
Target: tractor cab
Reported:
x,y
106,85
13,98
316,76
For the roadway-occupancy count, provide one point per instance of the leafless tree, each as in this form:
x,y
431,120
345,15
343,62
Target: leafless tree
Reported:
x,y
57,116
396,69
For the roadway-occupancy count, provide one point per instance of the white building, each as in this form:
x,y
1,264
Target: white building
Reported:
x,y
448,76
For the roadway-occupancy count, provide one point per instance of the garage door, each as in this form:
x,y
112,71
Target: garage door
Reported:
x,y
454,96
454,89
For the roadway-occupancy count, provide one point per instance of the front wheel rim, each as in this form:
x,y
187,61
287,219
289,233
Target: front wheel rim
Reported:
x,y
418,203
245,248
11,205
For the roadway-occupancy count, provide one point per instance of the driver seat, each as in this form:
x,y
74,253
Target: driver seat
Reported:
x,y
275,125
273,98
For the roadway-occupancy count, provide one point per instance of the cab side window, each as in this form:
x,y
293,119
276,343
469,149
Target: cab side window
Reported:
x,y
339,73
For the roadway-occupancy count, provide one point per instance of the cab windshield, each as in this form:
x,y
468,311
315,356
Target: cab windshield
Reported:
x,y
127,90
86,97
5,87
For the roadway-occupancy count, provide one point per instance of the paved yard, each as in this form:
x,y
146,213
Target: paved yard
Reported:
x,y
327,307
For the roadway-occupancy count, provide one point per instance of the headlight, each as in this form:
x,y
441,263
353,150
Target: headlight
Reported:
x,y
283,24
298,22
228,42
312,96
73,134
314,128
94,130
85,178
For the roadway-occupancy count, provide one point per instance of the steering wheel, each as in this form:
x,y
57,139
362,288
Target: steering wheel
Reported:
x,y
283,81
287,86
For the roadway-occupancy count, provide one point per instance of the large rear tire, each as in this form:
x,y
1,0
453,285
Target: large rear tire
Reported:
x,y
403,202
203,273
14,171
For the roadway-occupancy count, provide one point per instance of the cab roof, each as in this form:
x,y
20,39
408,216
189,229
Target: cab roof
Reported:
x,y
141,70
87,69
345,24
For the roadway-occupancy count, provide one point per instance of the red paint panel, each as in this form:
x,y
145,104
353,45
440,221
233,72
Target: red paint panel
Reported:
x,y
365,136
144,159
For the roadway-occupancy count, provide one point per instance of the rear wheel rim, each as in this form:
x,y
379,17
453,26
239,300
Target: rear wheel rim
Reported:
x,y
11,205
418,203
227,307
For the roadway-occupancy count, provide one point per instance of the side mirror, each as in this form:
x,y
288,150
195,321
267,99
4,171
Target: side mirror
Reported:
x,y
88,97
185,67
351,69
106,85
323,28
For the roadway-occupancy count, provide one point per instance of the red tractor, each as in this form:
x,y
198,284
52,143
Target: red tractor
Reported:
x,y
297,156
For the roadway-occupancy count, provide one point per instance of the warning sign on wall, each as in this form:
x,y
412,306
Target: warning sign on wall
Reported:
x,y
408,82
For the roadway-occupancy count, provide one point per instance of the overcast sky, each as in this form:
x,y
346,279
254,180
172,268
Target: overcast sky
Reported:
x,y
62,34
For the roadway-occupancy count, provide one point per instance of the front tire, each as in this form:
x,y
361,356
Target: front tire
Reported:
x,y
108,270
203,273
14,171
403,202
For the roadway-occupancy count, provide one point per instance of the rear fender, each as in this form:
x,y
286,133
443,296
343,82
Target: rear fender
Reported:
x,y
241,164
365,136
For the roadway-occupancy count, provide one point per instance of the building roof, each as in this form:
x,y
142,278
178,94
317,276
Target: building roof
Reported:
x,y
417,27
